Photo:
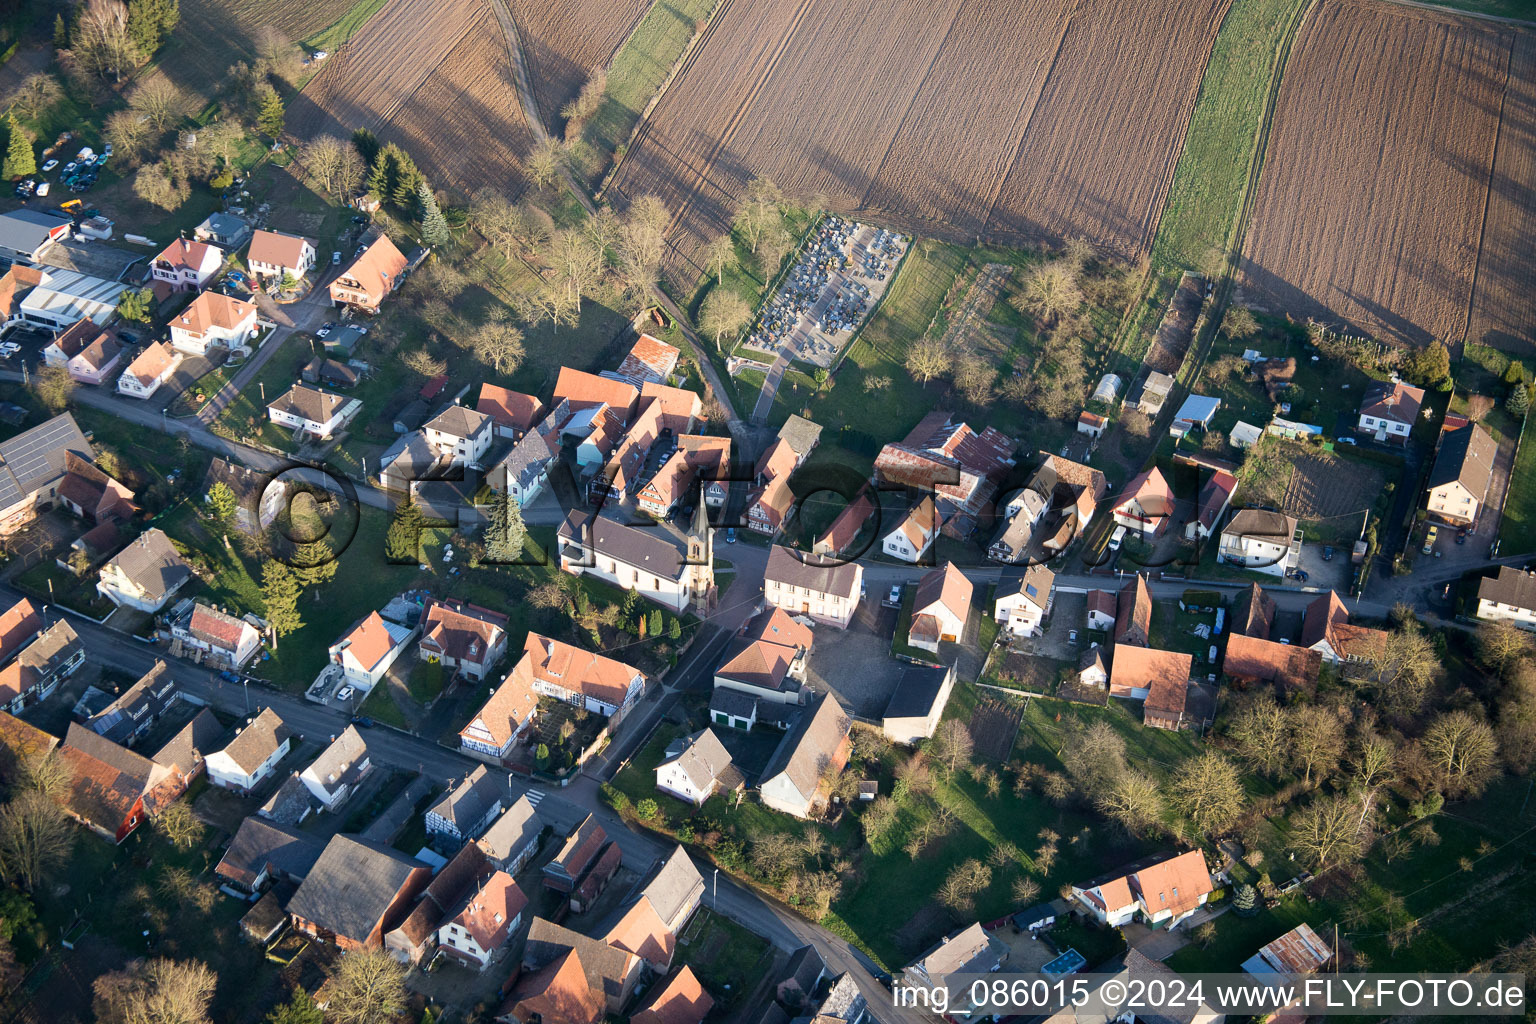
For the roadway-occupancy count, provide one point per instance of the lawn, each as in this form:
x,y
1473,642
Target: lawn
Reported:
x,y
245,417
728,959
643,63
1219,145
1517,528
1428,910
1046,729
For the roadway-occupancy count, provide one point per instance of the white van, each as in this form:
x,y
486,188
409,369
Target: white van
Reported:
x,y
1116,537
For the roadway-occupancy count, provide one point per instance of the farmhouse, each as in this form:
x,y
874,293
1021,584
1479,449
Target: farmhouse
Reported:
x,y
1290,668
145,574
513,838
460,436
1509,596
1024,512
186,266
917,703
484,922
223,638
814,749
150,369
263,852
524,470
19,625
334,775
579,677
1325,628
356,892
213,320
273,254
93,495
697,458
33,465
1068,486
462,636
1023,599
1133,614
770,506
48,658
1162,891
111,788
1262,541
940,608
501,722
1212,504
1254,613
1389,411
1146,507
1463,471
250,758
914,532
650,360
1160,679
840,536
697,767
824,589
582,390
801,435
766,658
313,412
377,271
414,937
672,568
466,809
367,650
1100,609
568,978
513,413
580,852
953,464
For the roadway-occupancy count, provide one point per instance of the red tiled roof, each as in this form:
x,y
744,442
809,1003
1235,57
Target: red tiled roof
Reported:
x,y
584,390
212,309
509,408
1258,660
1176,884
18,625
489,914
461,631
369,641
682,1000
277,249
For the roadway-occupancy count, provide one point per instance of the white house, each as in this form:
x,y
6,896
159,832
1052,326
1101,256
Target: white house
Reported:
x,y
1162,891
502,722
313,411
226,640
1389,411
1261,541
766,658
465,810
152,368
334,775
827,590
369,648
940,608
513,838
1461,476
1102,607
1508,597
460,435
697,767
252,755
273,254
817,744
578,677
187,266
484,922
524,472
462,636
213,319
671,567
1023,600
914,533
145,574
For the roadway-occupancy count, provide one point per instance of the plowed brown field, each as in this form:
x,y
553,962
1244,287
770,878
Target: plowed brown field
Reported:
x,y
1019,121
433,76
1375,209
564,40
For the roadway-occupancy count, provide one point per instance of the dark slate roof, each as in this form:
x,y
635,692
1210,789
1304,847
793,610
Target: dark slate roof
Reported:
x,y
351,886
254,743
36,456
468,802
605,966
260,844
1466,456
825,576
658,549
1514,587
804,969
816,735
290,803
916,691
192,743
512,832
150,560
702,757
674,885
800,434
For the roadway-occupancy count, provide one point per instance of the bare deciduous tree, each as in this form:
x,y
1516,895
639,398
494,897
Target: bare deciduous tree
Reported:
x,y
973,377
545,163
419,360
1317,739
129,133
1135,802
1049,293
1094,758
1209,791
35,95
334,164
1328,832
155,992
586,103
35,837
1502,645
498,344
159,184
760,210
723,312
1239,323
718,254
161,101
1464,752
1259,732
927,359
952,745
178,824
370,988
101,45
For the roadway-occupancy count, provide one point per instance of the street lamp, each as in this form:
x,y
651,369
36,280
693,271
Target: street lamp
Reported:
x,y
715,899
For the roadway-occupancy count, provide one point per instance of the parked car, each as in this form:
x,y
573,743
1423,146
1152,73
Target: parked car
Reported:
x,y
324,332
345,693
1327,554
1072,637
106,150
335,258
730,535
1346,440
9,349
49,165
1430,538
42,189
228,676
1461,536
361,722
70,168
895,596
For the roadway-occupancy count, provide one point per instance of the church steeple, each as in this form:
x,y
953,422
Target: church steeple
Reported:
x,y
701,555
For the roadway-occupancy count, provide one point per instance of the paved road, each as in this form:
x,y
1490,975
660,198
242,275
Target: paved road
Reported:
x,y
304,315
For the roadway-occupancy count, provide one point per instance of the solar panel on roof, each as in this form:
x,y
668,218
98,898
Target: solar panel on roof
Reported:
x,y
1029,588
